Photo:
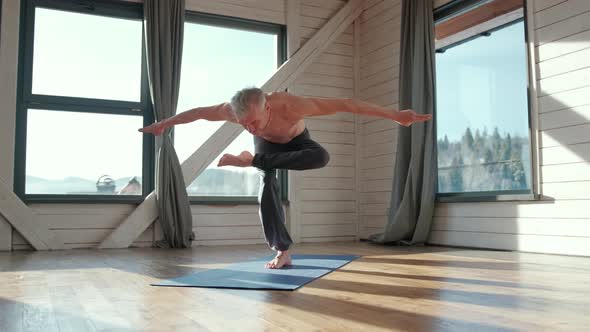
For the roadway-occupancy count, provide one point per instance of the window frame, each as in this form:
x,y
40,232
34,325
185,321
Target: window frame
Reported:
x,y
253,26
27,100
457,7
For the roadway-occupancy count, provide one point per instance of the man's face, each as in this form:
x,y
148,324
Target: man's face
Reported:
x,y
255,118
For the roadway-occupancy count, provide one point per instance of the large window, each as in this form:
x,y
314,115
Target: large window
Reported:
x,y
82,98
220,57
83,94
482,106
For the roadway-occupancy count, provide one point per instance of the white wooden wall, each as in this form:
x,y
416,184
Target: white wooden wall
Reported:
x,y
325,199
327,196
560,222
379,50
350,197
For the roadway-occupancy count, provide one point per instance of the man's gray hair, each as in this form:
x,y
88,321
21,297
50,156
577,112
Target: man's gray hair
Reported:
x,y
244,98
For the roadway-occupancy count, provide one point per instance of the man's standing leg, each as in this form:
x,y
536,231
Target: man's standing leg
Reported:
x,y
271,212
299,154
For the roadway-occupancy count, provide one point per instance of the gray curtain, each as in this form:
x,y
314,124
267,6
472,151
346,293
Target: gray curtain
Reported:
x,y
414,182
164,29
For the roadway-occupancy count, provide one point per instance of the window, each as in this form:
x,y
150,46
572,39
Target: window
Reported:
x,y
484,147
221,56
82,98
83,94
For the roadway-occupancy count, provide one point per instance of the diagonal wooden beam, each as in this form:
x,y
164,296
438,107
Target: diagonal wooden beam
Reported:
x,y
22,218
146,213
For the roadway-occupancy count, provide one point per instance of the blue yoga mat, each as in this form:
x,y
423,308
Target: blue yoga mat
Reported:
x,y
253,274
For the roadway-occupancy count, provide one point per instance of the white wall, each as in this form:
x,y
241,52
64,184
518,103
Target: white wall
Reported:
x,y
380,36
324,201
560,221
327,210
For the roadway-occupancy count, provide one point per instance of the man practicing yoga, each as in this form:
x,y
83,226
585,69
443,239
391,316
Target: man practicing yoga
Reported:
x,y
281,142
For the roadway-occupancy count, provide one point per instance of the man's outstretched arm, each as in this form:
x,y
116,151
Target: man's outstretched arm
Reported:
x,y
321,106
220,112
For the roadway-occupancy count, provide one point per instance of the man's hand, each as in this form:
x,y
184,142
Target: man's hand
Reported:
x,y
408,117
157,129
244,159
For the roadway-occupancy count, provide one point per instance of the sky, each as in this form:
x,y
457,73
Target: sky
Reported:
x,y
100,57
483,83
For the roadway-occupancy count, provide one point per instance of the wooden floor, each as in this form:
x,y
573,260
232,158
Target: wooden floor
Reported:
x,y
389,288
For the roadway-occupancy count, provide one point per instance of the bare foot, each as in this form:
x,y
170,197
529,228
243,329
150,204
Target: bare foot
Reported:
x,y
283,259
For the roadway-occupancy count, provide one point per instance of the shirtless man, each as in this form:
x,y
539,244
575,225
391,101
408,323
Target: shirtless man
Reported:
x,y
281,142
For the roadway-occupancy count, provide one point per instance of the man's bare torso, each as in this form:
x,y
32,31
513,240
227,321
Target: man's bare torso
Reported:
x,y
286,120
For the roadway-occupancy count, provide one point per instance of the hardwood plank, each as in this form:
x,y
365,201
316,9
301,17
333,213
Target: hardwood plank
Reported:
x,y
385,136
320,195
331,172
313,11
561,12
329,183
565,154
328,69
324,91
378,66
328,207
377,126
328,230
564,46
386,74
330,137
372,11
563,29
330,4
226,220
325,80
375,209
565,136
326,239
387,51
238,9
567,190
328,218
228,232
391,14
330,126
566,172
379,173
343,149
563,82
544,4
381,149
563,64
221,209
376,185
564,118
565,100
